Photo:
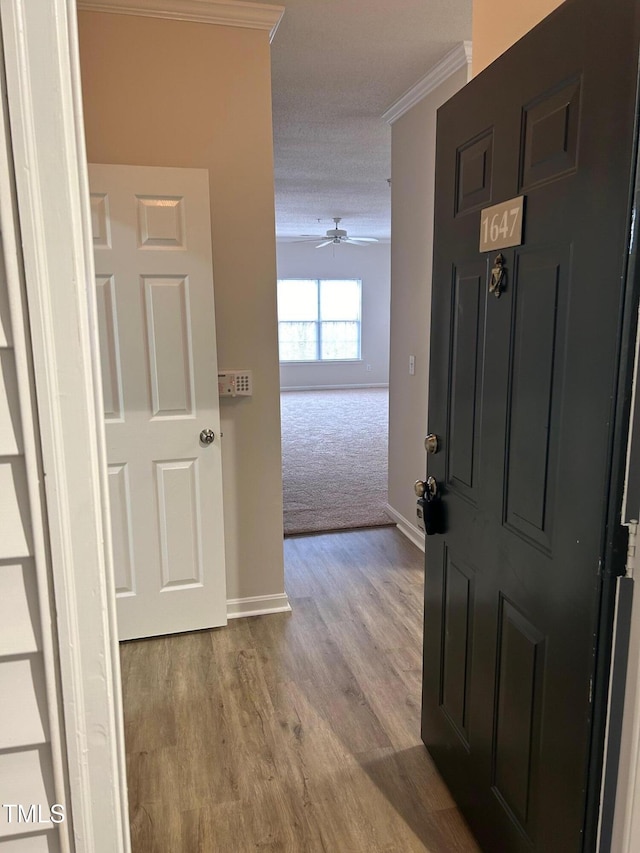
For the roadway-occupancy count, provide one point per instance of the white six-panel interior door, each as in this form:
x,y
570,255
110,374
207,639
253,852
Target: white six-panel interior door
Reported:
x,y
154,280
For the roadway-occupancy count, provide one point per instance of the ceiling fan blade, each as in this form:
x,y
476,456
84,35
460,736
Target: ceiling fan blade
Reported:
x,y
306,239
364,239
326,243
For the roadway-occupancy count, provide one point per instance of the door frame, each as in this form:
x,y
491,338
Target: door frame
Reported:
x,y
619,622
45,114
47,139
622,824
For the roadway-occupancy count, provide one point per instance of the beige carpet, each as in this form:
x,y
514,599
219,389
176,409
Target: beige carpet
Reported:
x,y
334,459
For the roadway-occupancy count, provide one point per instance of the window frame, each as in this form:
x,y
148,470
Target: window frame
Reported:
x,y
318,322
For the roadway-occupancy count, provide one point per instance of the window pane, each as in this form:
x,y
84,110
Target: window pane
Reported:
x,y
340,340
297,299
298,341
340,300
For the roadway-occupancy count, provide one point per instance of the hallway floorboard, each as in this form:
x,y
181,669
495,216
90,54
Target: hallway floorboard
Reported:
x,y
294,732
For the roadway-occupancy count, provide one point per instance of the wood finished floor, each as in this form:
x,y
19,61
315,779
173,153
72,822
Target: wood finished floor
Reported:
x,y
294,732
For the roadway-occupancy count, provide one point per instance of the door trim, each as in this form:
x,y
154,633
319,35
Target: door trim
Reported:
x,y
229,13
626,822
45,117
19,340
605,740
621,799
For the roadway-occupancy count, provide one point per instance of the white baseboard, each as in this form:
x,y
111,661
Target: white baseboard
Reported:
x,y
405,527
332,387
258,605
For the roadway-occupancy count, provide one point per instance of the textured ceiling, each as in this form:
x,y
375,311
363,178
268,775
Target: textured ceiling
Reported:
x,y
337,66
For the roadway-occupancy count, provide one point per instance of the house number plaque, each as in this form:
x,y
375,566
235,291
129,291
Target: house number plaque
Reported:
x,y
501,225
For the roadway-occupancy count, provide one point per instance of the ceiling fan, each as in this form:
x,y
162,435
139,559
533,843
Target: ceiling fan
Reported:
x,y
338,235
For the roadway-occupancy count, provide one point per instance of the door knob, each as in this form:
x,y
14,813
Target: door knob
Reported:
x,y
428,488
431,443
207,436
432,486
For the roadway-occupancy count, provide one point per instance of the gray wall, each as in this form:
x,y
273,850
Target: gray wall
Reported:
x,y
371,265
413,138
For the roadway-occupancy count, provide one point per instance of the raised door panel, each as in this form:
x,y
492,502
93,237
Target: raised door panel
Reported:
x,y
474,173
465,372
170,346
161,222
110,357
179,523
457,645
122,529
100,221
516,743
535,393
550,135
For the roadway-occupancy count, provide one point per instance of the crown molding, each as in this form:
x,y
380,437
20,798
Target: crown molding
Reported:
x,y
453,61
225,13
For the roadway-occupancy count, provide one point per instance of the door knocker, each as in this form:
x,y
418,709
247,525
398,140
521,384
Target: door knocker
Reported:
x,y
498,280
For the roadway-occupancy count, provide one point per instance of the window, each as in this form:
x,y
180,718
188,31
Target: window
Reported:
x,y
319,319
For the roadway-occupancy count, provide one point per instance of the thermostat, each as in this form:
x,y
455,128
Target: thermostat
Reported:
x,y
235,383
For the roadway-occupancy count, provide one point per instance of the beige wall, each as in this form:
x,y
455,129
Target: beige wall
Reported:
x,y
497,24
172,93
413,138
371,265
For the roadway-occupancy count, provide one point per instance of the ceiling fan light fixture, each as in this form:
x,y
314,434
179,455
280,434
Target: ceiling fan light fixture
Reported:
x,y
337,236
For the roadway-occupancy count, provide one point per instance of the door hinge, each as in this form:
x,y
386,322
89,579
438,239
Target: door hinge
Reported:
x,y
590,690
630,564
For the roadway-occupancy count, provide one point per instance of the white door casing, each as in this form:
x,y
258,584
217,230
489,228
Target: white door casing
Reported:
x,y
154,287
